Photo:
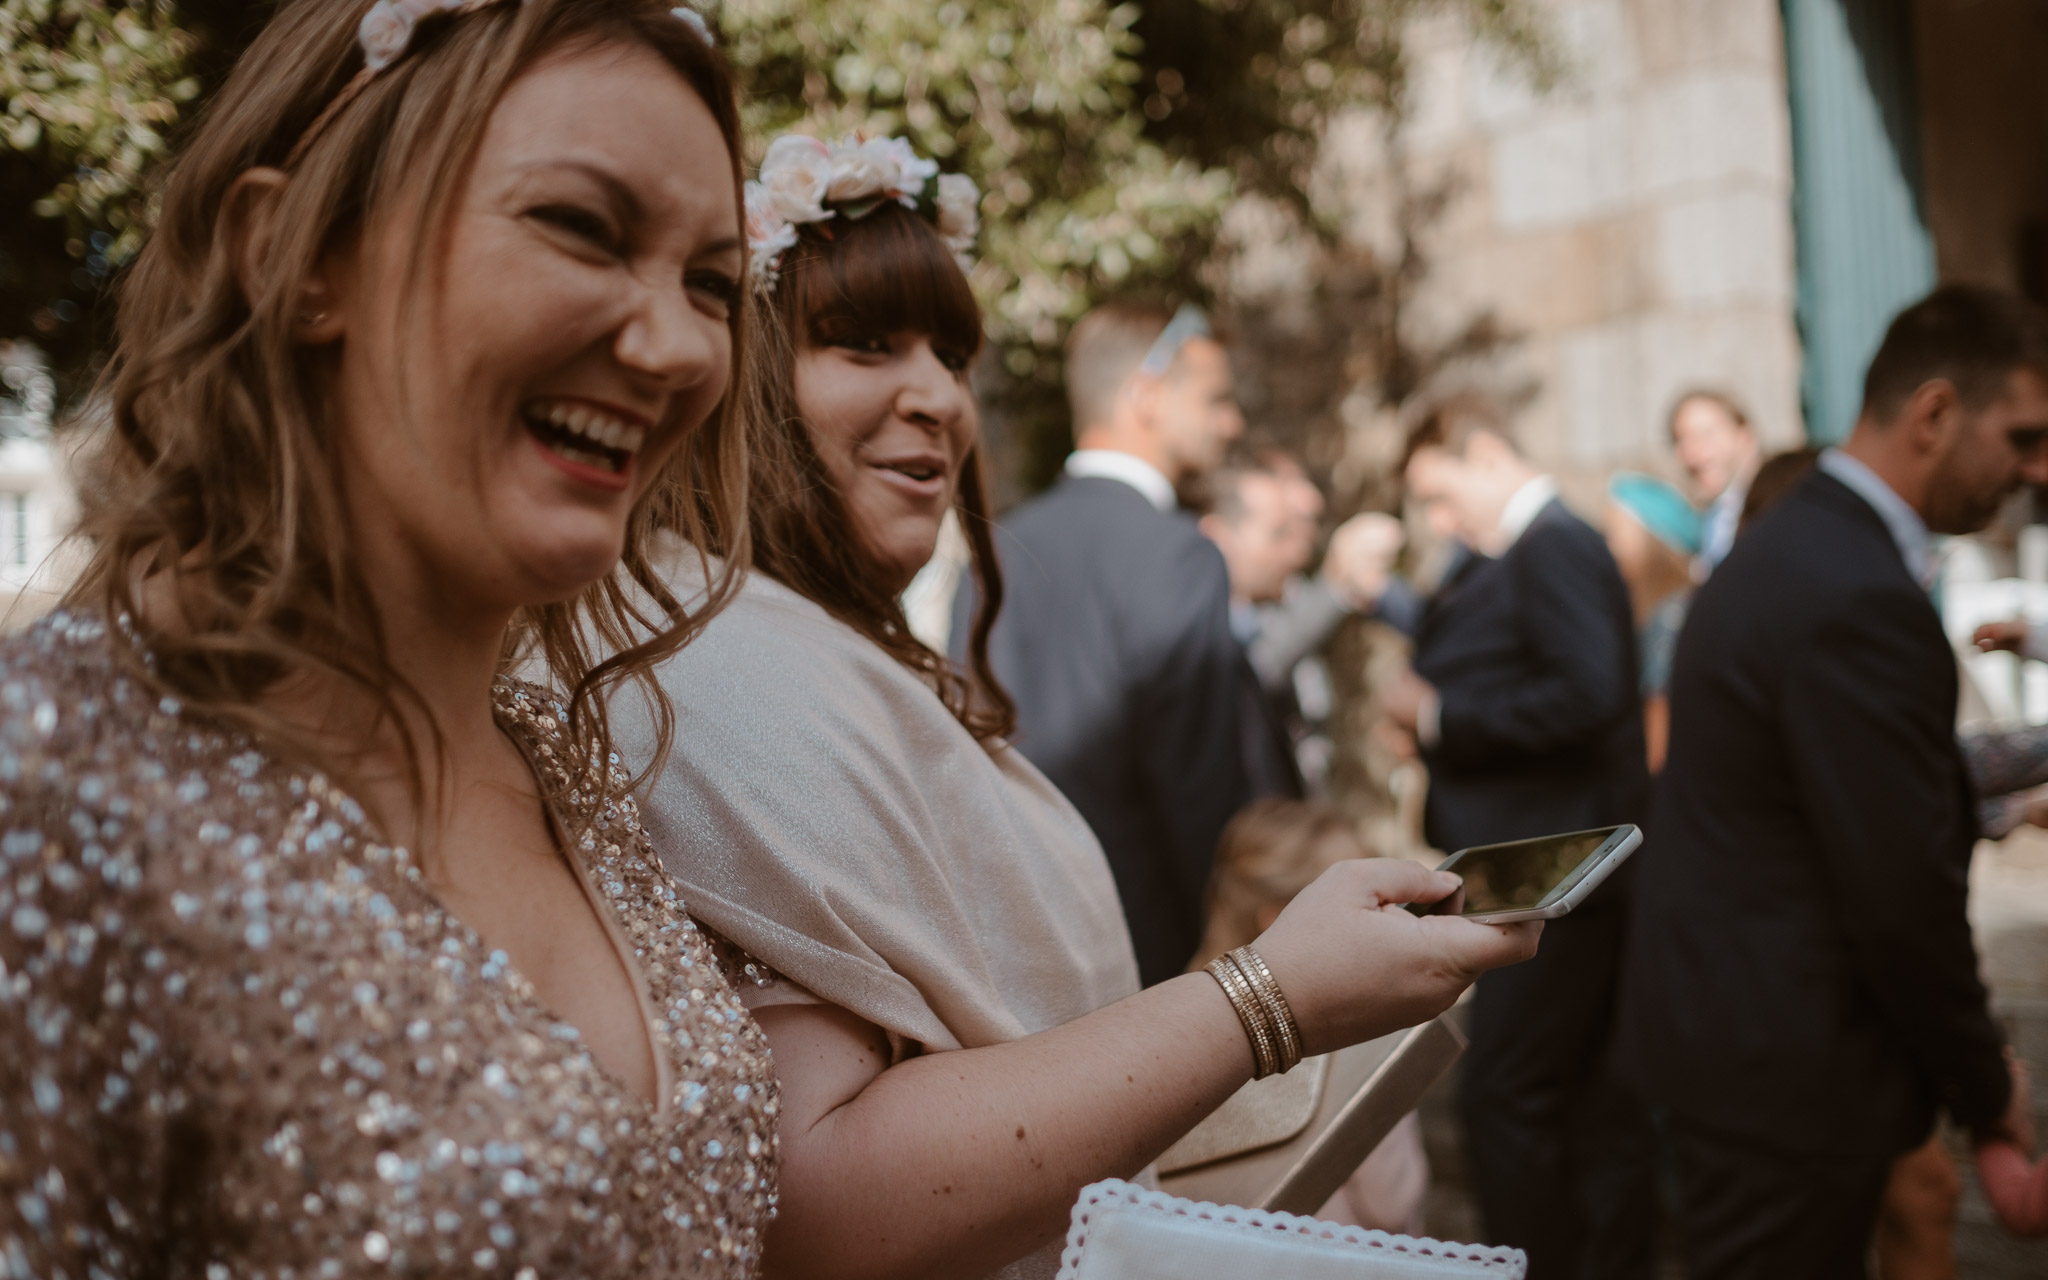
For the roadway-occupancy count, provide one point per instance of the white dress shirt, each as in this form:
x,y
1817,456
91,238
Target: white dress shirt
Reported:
x,y
1110,464
1522,509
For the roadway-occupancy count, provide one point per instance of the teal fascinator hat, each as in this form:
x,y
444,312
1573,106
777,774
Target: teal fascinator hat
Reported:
x,y
1658,507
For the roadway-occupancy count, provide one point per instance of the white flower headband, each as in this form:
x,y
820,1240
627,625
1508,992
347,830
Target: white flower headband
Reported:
x,y
805,180
386,33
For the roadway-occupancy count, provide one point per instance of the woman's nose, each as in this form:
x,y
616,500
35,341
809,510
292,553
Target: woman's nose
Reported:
x,y
669,339
933,394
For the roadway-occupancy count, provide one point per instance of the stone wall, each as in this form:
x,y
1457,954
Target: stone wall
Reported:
x,y
1631,228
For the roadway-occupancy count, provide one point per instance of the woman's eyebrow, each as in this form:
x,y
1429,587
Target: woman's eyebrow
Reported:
x,y
625,202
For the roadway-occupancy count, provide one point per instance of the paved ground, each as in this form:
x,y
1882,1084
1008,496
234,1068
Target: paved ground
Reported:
x,y
2009,905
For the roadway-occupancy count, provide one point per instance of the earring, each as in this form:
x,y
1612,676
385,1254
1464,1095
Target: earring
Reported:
x,y
312,317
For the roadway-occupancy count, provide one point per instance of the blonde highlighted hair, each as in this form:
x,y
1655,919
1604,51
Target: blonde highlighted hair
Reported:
x,y
215,512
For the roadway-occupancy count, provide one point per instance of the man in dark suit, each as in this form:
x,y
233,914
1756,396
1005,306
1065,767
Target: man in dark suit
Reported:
x,y
1115,636
1523,701
1802,989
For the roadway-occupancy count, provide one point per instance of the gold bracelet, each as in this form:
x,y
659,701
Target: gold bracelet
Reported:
x,y
1287,1030
1250,1012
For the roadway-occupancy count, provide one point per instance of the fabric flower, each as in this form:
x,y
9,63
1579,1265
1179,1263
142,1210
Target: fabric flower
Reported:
x,y
694,20
861,171
959,211
912,170
769,235
385,31
797,173
417,9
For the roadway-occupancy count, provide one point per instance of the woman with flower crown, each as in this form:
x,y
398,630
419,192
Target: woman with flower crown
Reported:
x,y
326,948
933,938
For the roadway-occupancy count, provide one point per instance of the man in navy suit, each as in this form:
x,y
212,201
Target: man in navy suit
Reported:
x,y
1523,701
1802,989
1115,635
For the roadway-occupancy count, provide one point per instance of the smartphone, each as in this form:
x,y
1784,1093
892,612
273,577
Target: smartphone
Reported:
x,y
1539,879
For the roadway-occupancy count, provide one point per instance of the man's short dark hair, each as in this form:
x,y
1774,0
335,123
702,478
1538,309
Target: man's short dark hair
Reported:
x,y
1972,336
1450,422
1222,491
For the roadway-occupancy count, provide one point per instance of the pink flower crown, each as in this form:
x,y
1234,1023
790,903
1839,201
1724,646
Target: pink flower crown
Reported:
x,y
804,180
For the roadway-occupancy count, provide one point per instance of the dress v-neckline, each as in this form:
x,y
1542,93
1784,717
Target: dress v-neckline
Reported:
x,y
660,1107
636,977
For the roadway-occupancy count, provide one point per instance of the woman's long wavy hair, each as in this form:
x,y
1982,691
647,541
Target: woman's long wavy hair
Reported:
x,y
215,512
885,273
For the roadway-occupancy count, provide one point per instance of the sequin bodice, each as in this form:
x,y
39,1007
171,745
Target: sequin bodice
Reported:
x,y
242,1039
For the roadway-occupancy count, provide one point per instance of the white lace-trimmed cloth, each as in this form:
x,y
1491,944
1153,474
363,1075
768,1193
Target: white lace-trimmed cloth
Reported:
x,y
1122,1231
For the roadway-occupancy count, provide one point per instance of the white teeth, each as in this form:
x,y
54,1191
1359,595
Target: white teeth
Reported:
x,y
598,428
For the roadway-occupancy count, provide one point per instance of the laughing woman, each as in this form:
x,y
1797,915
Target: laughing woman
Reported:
x,y
324,947
938,956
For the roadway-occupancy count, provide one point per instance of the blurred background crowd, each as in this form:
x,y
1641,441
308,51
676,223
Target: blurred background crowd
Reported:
x,y
1637,254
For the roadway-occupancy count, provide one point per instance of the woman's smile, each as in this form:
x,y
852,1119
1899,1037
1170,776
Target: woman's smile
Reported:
x,y
587,441
922,474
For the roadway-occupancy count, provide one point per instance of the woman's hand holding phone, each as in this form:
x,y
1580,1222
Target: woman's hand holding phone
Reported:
x,y
1355,965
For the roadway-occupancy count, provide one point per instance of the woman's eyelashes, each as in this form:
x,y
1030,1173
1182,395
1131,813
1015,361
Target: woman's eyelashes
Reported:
x,y
865,344
869,344
593,229
720,288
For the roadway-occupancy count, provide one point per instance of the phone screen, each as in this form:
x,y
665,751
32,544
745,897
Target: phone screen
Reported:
x,y
1517,876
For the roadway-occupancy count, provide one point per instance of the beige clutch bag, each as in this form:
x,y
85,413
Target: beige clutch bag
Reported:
x,y
1289,1141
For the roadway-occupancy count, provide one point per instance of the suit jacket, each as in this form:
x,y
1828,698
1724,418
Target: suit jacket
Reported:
x,y
1115,641
1533,656
1801,971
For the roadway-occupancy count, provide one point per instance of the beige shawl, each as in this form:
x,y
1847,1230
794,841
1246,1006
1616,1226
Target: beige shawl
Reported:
x,y
822,810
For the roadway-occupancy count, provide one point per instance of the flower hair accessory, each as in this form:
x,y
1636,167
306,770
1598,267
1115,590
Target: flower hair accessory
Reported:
x,y
385,35
804,180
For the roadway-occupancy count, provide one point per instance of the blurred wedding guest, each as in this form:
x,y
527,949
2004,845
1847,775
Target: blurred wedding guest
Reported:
x,y
1286,628
1524,703
1266,533
2015,1183
1802,991
928,929
1654,534
333,949
1269,853
1115,636
1718,448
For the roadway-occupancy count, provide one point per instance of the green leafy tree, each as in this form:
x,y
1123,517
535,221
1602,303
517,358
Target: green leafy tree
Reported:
x,y
1108,138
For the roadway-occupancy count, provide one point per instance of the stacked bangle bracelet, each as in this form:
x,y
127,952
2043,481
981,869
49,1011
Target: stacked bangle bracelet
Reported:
x,y
1268,1022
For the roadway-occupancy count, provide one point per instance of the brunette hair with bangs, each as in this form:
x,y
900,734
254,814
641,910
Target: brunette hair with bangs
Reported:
x,y
887,272
215,513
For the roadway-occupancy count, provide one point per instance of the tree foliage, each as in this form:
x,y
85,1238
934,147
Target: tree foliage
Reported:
x,y
1108,138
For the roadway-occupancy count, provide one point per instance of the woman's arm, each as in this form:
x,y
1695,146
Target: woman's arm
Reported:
x,y
955,1163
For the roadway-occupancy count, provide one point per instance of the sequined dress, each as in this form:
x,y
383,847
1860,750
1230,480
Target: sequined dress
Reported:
x,y
239,1037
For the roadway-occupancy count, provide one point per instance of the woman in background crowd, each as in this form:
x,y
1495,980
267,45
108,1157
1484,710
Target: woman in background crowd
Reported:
x,y
1269,853
930,922
1654,534
331,949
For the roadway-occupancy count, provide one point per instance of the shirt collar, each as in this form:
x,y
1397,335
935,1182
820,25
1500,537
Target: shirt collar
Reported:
x,y
1110,464
1908,530
1523,508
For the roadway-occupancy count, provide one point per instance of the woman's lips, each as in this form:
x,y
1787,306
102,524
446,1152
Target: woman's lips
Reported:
x,y
586,441
926,475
